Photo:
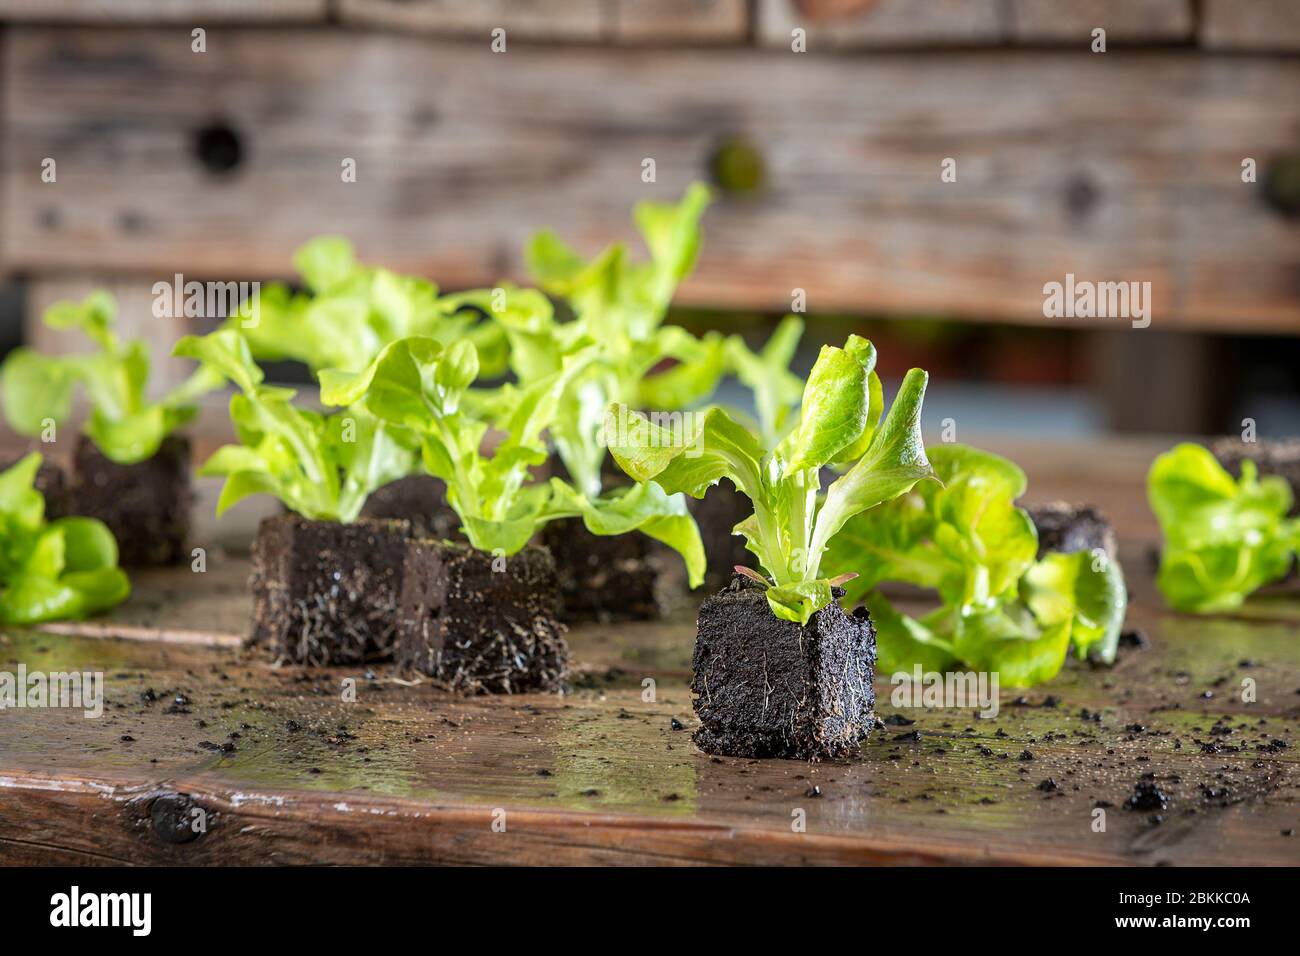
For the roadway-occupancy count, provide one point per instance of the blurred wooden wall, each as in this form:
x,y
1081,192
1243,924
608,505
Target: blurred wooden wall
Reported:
x,y
1117,166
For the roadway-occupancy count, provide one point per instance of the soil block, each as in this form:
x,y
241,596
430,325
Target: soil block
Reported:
x,y
720,510
327,593
420,500
145,505
765,687
1281,458
1067,528
625,577
481,624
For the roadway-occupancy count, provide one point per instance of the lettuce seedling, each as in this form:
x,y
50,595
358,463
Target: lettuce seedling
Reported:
x,y
766,373
964,539
419,386
790,530
619,305
127,427
56,570
350,311
321,467
1224,538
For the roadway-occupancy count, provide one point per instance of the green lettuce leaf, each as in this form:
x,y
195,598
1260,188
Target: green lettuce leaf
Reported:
x,y
59,570
123,423
351,311
834,409
644,507
321,468
791,528
902,642
1224,538
690,459
767,374
893,462
423,387
1086,591
619,305
1008,641
963,538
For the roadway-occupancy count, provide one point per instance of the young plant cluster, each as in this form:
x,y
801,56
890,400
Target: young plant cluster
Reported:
x,y
1224,538
320,467
963,539
840,423
38,390
619,307
348,311
406,369
407,366
51,570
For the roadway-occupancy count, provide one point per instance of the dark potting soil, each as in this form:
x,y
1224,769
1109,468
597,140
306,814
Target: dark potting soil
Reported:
x,y
145,505
720,510
481,624
610,578
420,500
765,687
1068,528
1280,458
324,592
627,577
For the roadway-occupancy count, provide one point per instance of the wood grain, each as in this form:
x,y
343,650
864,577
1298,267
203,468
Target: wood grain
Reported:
x,y
410,775
883,23
608,21
194,12
522,19
462,154
680,21
406,774
1258,26
1125,21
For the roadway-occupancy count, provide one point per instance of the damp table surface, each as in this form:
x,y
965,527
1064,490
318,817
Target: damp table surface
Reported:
x,y
207,754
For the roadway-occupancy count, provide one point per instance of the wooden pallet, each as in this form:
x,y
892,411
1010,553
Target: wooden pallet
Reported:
x,y
1122,167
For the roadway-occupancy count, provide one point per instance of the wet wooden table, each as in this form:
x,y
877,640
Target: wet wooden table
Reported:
x,y
207,754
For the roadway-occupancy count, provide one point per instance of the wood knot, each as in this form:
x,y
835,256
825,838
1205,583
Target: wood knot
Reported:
x,y
1282,184
1081,195
218,148
174,819
736,166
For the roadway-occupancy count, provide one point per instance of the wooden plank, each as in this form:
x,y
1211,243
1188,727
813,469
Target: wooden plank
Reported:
x,y
882,23
680,21
618,21
407,774
1261,25
1125,21
523,19
197,13
460,157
